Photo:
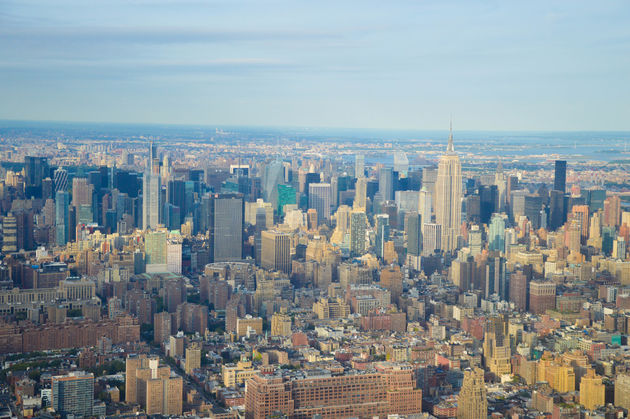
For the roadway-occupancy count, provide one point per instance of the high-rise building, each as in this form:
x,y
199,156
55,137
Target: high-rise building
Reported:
x,y
35,171
280,324
595,199
431,238
581,214
413,229
152,386
542,296
151,192
622,390
592,390
9,234
401,163
475,242
60,180
612,211
174,254
276,251
155,250
360,194
532,206
560,176
382,233
429,179
62,218
357,232
472,402
311,219
518,290
496,235
424,204
226,227
501,184
193,358
448,196
73,394
359,166
386,183
557,212
272,177
162,326
286,196
319,198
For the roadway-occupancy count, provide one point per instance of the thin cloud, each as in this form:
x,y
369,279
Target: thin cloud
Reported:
x,y
160,35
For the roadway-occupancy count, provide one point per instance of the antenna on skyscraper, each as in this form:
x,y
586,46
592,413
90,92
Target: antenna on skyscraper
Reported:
x,y
449,147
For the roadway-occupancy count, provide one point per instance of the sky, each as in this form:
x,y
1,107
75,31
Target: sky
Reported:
x,y
490,65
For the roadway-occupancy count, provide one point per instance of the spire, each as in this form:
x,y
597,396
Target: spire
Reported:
x,y
450,148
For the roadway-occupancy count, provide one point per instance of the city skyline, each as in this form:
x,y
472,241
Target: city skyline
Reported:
x,y
256,210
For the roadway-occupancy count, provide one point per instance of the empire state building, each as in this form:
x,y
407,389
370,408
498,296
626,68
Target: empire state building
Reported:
x,y
448,191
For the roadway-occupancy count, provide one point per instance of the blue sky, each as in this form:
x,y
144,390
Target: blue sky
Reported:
x,y
492,65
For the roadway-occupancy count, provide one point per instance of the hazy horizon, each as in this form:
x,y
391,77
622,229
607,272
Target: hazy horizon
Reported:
x,y
408,65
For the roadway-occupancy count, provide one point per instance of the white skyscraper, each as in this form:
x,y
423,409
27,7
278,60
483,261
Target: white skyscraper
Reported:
x,y
431,238
151,194
360,194
424,204
501,183
401,163
448,199
359,166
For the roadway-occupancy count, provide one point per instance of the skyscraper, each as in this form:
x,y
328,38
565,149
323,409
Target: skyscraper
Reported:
x,y
319,198
501,184
560,176
151,193
424,204
401,163
413,229
226,227
35,170
496,236
448,191
382,233
60,180
155,251
472,402
359,166
518,290
9,234
386,183
276,251
557,213
357,233
62,217
193,357
360,194
153,386
273,176
431,238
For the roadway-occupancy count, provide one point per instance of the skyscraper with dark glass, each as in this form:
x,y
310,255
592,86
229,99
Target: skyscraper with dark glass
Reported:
x,y
35,170
226,227
62,217
560,176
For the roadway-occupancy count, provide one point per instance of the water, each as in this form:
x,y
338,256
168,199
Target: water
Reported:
x,y
527,146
